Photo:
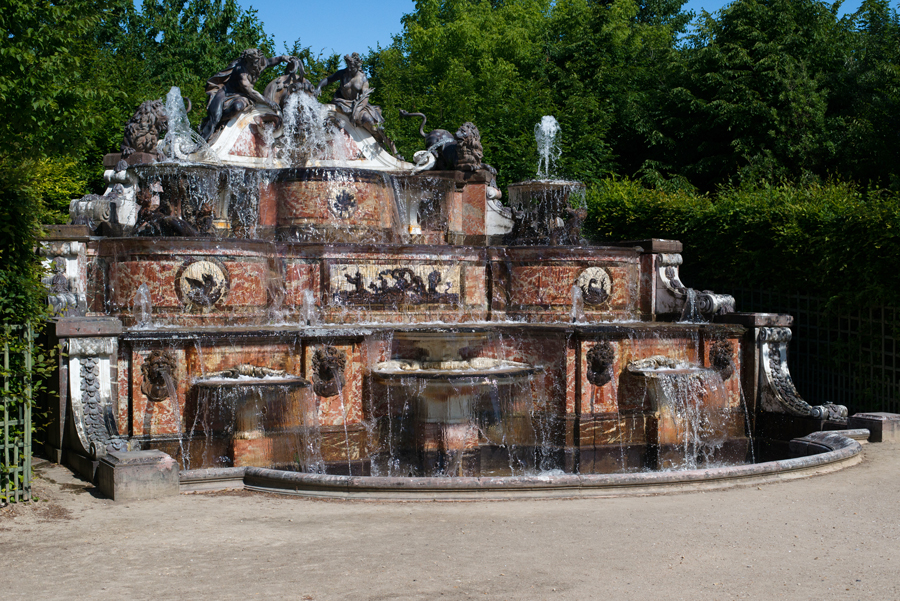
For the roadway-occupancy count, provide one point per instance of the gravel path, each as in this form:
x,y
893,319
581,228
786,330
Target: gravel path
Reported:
x,y
835,536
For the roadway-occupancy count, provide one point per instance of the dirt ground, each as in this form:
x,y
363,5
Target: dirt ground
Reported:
x,y
835,536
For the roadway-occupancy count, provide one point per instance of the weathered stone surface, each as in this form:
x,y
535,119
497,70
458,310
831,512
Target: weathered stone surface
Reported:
x,y
125,476
883,427
655,245
76,327
112,159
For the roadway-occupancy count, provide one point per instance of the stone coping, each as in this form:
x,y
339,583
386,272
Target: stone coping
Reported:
x,y
620,329
842,451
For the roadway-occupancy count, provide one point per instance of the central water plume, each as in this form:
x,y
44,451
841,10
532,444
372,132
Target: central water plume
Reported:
x,y
545,134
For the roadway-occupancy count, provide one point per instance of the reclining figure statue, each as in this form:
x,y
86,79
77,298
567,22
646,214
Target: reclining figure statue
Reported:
x,y
352,99
231,91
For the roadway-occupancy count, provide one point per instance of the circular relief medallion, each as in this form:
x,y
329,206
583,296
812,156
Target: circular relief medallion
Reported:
x,y
202,283
342,203
595,284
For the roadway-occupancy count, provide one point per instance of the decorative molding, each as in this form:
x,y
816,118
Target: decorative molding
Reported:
x,y
777,391
83,347
710,303
674,297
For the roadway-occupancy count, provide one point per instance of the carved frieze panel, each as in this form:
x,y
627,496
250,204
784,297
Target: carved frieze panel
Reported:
x,y
394,284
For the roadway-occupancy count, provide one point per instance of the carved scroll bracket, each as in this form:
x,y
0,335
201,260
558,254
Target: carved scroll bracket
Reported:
x,y
92,385
777,391
673,296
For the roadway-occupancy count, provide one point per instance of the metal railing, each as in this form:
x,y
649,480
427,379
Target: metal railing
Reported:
x,y
848,357
15,413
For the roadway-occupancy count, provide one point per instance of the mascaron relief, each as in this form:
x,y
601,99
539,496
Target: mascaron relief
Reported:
x,y
158,370
328,365
721,356
600,363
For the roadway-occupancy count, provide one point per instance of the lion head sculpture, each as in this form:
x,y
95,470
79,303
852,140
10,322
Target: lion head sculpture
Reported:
x,y
328,366
599,363
158,369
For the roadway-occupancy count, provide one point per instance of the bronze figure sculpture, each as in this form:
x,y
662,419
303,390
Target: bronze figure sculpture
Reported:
x,y
352,99
231,91
293,80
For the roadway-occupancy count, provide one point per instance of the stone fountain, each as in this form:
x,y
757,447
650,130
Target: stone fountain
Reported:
x,y
285,293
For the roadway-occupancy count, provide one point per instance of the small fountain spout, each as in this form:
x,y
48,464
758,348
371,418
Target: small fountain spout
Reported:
x,y
142,308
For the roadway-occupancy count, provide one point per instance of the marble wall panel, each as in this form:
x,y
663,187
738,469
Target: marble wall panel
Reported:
x,y
476,285
300,277
473,208
366,201
126,277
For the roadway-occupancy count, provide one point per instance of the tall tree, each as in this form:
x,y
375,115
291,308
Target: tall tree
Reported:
x,y
749,93
469,60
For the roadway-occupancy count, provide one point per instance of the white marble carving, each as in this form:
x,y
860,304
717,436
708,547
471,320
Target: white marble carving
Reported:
x,y
777,391
92,382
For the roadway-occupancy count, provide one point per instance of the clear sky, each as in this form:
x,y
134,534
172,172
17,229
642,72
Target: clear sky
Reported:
x,y
356,25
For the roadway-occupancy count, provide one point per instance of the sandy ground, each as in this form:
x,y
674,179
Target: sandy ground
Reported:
x,y
835,536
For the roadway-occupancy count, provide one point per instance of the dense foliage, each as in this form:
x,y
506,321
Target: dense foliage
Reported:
x,y
830,240
764,90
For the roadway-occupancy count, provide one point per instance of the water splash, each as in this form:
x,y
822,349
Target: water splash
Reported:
x,y
545,133
181,141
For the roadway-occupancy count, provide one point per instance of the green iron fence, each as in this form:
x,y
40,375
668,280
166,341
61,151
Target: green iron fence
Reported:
x,y
15,418
845,356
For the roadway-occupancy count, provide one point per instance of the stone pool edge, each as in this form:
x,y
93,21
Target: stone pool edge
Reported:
x,y
823,452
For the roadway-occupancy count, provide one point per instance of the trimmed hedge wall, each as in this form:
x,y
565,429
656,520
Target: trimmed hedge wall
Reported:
x,y
830,240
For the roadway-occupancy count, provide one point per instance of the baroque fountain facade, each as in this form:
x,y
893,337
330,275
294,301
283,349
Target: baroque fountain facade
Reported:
x,y
285,293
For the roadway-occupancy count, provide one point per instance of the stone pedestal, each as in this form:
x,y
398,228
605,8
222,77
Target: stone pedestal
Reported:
x,y
126,476
882,427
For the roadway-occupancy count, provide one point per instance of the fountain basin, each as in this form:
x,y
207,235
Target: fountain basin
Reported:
x,y
834,451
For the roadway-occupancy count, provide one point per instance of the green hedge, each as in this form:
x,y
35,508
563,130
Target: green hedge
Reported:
x,y
830,240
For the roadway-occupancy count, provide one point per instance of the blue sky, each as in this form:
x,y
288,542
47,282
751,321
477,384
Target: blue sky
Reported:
x,y
357,25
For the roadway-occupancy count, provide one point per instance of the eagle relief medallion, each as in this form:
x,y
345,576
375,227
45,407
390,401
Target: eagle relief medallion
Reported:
x,y
202,283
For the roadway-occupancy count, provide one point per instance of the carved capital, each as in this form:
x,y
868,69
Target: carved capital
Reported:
x,y
85,347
